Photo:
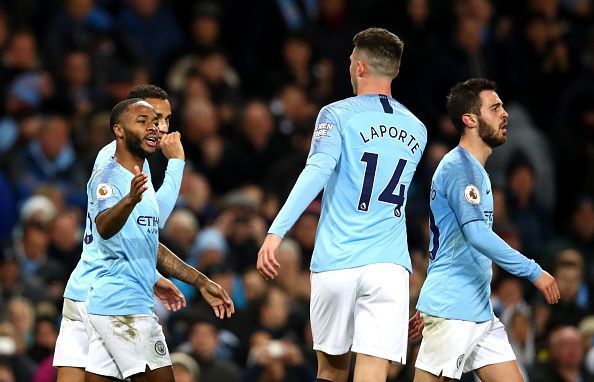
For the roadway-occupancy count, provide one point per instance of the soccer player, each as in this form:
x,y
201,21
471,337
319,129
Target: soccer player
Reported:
x,y
72,347
120,300
461,332
364,152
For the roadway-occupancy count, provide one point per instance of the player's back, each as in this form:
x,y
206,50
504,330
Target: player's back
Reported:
x,y
363,209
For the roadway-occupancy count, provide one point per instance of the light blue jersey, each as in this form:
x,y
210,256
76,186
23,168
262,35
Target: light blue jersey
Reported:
x,y
364,152
88,266
462,243
124,283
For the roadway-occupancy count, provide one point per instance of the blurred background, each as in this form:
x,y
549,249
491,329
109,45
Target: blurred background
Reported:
x,y
246,80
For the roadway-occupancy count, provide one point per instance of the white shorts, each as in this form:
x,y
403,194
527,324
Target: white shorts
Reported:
x,y
363,309
451,347
72,346
126,345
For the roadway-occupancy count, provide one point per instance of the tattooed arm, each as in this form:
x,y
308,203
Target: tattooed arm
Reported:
x,y
169,264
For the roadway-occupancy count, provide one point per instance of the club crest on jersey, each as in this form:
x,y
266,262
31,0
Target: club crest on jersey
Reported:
x,y
104,191
472,194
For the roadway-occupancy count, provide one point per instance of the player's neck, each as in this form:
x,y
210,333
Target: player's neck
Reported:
x,y
374,87
477,147
127,160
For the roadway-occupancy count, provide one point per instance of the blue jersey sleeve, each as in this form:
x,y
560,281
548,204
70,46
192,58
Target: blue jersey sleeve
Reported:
x,y
169,190
327,138
461,186
105,192
157,277
309,184
484,240
326,146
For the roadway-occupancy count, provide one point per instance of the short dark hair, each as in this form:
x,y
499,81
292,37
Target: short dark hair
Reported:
x,y
119,109
464,98
383,49
145,91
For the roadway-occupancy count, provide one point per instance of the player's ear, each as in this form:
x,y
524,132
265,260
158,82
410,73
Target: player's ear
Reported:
x,y
361,68
118,130
469,120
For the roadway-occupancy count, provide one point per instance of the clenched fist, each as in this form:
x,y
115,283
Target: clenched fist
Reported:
x,y
172,147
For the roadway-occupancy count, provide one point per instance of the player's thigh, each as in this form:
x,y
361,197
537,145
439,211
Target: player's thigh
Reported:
x,y
134,342
506,371
70,374
494,355
72,345
331,309
425,376
333,367
447,345
163,374
370,369
381,313
92,377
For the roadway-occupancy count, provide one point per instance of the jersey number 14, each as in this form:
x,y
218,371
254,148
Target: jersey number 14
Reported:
x,y
387,195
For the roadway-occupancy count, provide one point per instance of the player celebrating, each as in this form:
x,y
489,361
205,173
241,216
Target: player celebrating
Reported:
x,y
364,152
126,213
461,332
72,347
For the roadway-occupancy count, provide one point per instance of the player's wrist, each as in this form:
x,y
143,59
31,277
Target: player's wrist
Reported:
x,y
130,201
200,281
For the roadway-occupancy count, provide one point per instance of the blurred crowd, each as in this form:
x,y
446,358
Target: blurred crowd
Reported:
x,y
246,80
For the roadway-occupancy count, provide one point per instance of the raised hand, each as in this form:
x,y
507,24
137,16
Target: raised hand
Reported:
x,y
548,287
267,264
138,185
218,299
170,296
171,146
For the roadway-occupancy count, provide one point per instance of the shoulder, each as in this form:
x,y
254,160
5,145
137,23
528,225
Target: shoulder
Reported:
x,y
457,165
106,173
343,109
105,155
409,115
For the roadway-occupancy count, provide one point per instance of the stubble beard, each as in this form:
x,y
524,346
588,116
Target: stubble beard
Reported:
x,y
491,136
134,146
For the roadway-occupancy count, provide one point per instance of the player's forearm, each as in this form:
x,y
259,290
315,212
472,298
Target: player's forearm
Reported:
x,y
111,221
169,264
169,190
484,240
309,184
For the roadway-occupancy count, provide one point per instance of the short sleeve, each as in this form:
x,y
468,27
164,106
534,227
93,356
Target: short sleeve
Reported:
x,y
462,190
104,192
327,138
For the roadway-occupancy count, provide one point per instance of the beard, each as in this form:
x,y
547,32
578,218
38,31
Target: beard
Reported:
x,y
133,144
490,135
